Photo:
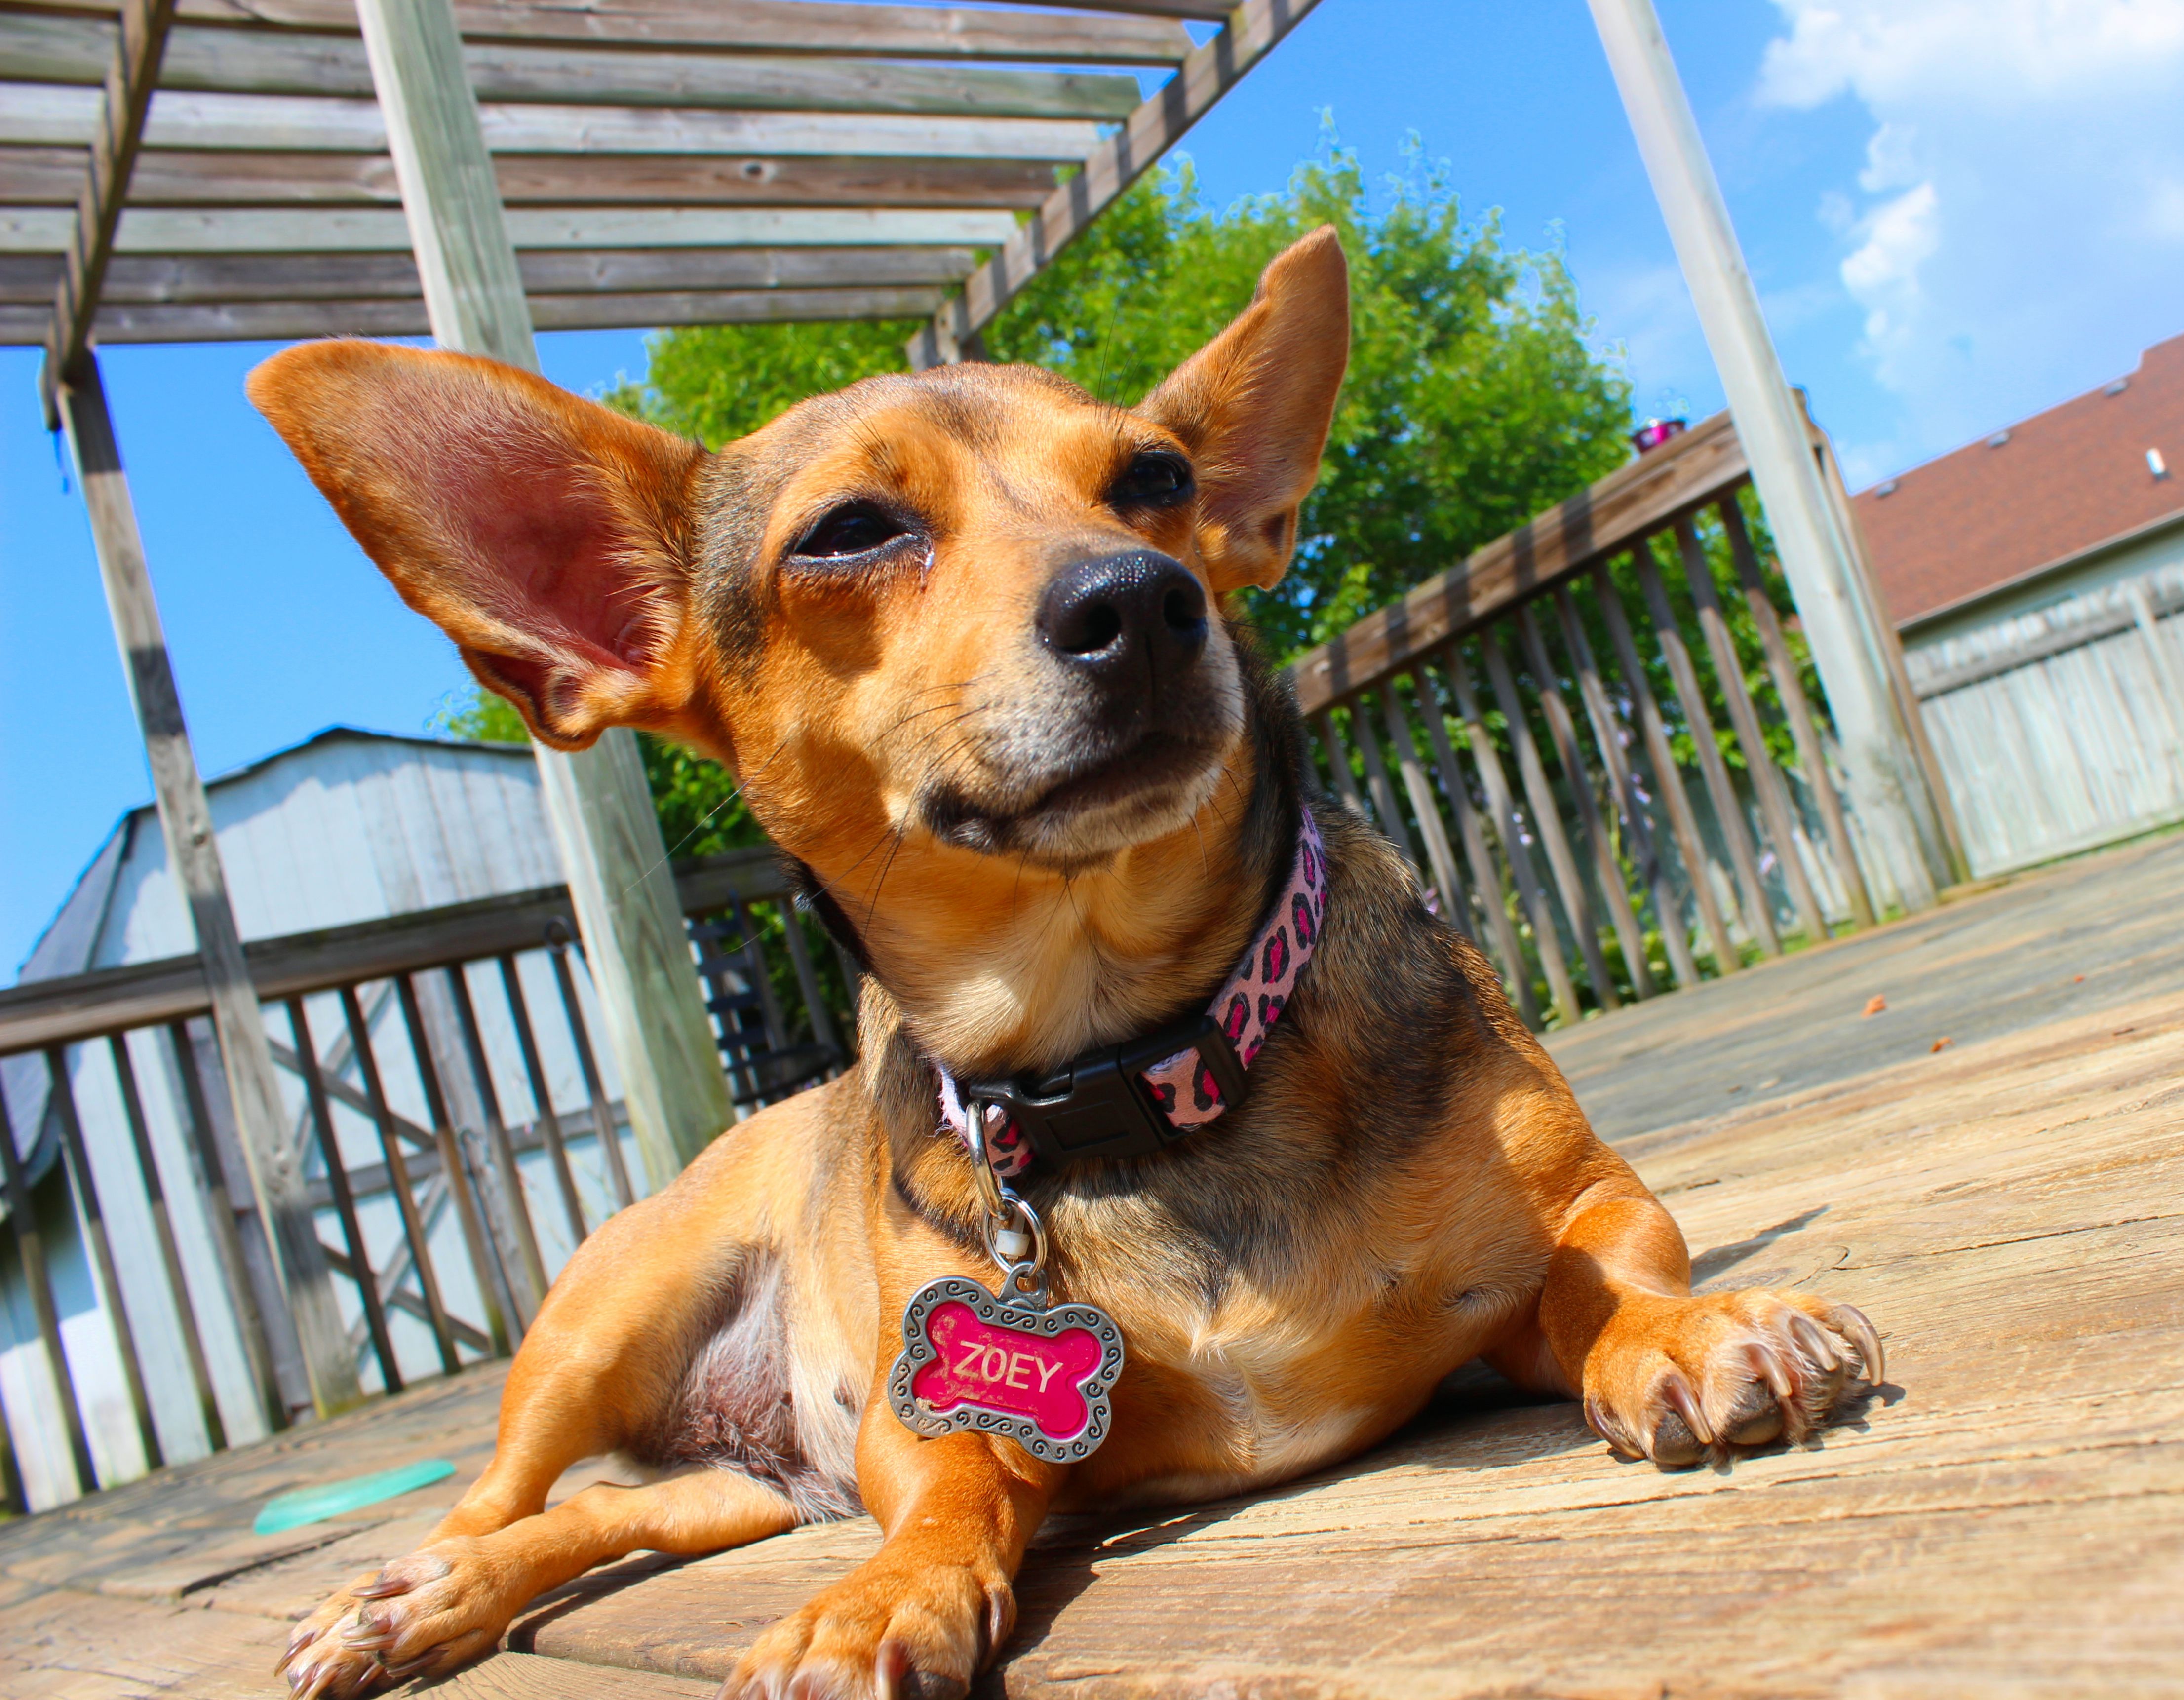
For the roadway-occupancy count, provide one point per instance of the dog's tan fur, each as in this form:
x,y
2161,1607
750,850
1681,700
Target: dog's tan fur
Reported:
x,y
1408,1186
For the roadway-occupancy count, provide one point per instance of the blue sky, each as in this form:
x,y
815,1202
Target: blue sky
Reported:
x,y
1959,212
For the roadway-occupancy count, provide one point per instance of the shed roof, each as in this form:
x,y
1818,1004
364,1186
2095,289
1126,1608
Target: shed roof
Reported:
x,y
663,161
2032,497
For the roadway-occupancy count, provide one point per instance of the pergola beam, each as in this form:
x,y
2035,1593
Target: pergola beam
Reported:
x,y
1152,37
60,49
373,229
137,280
29,177
45,114
132,71
258,321
1253,31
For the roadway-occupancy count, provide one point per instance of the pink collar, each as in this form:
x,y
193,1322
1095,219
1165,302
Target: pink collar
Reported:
x,y
1133,1098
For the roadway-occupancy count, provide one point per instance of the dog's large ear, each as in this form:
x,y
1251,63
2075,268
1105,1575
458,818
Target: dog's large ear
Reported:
x,y
549,536
1254,405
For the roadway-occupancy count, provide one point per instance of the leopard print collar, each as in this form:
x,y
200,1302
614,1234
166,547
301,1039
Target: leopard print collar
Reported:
x,y
1184,1089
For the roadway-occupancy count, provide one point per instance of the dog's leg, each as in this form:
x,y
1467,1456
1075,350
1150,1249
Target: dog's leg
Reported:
x,y
1663,1374
922,1614
450,1601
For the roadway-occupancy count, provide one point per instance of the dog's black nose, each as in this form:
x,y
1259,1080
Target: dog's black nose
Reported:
x,y
1139,615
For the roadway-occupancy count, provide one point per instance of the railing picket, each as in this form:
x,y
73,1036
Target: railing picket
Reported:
x,y
1744,720
1638,828
1503,806
1728,811
1338,762
84,1185
211,1178
1425,808
415,1232
31,1243
1797,710
1653,730
823,1030
549,1123
516,1207
170,1256
1485,878
359,1255
1377,784
1577,900
603,1121
1590,827
502,1323
13,1491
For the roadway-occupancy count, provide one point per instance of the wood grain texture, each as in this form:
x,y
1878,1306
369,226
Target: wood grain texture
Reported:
x,y
261,321
62,49
140,280
50,176
784,26
374,229
48,114
2000,1519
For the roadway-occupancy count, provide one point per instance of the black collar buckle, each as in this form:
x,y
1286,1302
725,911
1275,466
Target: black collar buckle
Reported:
x,y
1099,1105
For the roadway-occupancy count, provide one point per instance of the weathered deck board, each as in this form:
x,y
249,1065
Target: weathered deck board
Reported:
x,y
2007,1516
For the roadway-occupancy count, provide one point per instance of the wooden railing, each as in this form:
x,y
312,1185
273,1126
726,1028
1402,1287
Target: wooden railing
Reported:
x,y
1667,818
460,1131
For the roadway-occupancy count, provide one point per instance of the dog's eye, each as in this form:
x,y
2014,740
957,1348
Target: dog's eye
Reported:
x,y
853,529
1155,479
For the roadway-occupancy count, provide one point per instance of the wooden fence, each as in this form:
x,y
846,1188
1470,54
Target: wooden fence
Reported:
x,y
460,1132
1594,740
2062,728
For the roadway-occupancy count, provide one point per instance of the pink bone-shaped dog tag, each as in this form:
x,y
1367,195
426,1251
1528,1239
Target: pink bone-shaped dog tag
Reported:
x,y
969,1362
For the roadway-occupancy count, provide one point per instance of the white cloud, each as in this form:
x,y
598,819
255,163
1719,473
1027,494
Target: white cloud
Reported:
x,y
2017,231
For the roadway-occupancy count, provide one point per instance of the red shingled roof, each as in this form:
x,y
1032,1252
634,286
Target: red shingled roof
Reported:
x,y
2054,486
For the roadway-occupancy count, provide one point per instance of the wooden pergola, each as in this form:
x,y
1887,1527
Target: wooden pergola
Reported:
x,y
186,171
194,171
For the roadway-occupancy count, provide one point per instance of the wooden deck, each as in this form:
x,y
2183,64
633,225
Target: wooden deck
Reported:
x,y
2007,1517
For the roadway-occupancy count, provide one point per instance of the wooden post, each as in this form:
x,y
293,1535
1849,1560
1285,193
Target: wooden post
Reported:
x,y
1744,718
1438,852
1848,635
1484,875
612,852
1728,810
1338,762
1637,828
1790,691
1590,827
30,1246
162,1228
1503,808
1376,782
186,821
1683,826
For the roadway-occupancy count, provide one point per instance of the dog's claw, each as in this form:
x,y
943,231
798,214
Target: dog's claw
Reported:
x,y
1849,1319
383,1586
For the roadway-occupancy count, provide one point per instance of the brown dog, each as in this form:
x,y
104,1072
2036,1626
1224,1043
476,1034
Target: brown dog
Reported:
x,y
961,637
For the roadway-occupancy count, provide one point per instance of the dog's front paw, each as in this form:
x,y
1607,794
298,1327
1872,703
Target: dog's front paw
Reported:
x,y
441,1607
899,1625
1674,1380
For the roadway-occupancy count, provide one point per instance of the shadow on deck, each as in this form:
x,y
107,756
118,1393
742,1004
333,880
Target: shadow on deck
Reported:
x,y
2002,1517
